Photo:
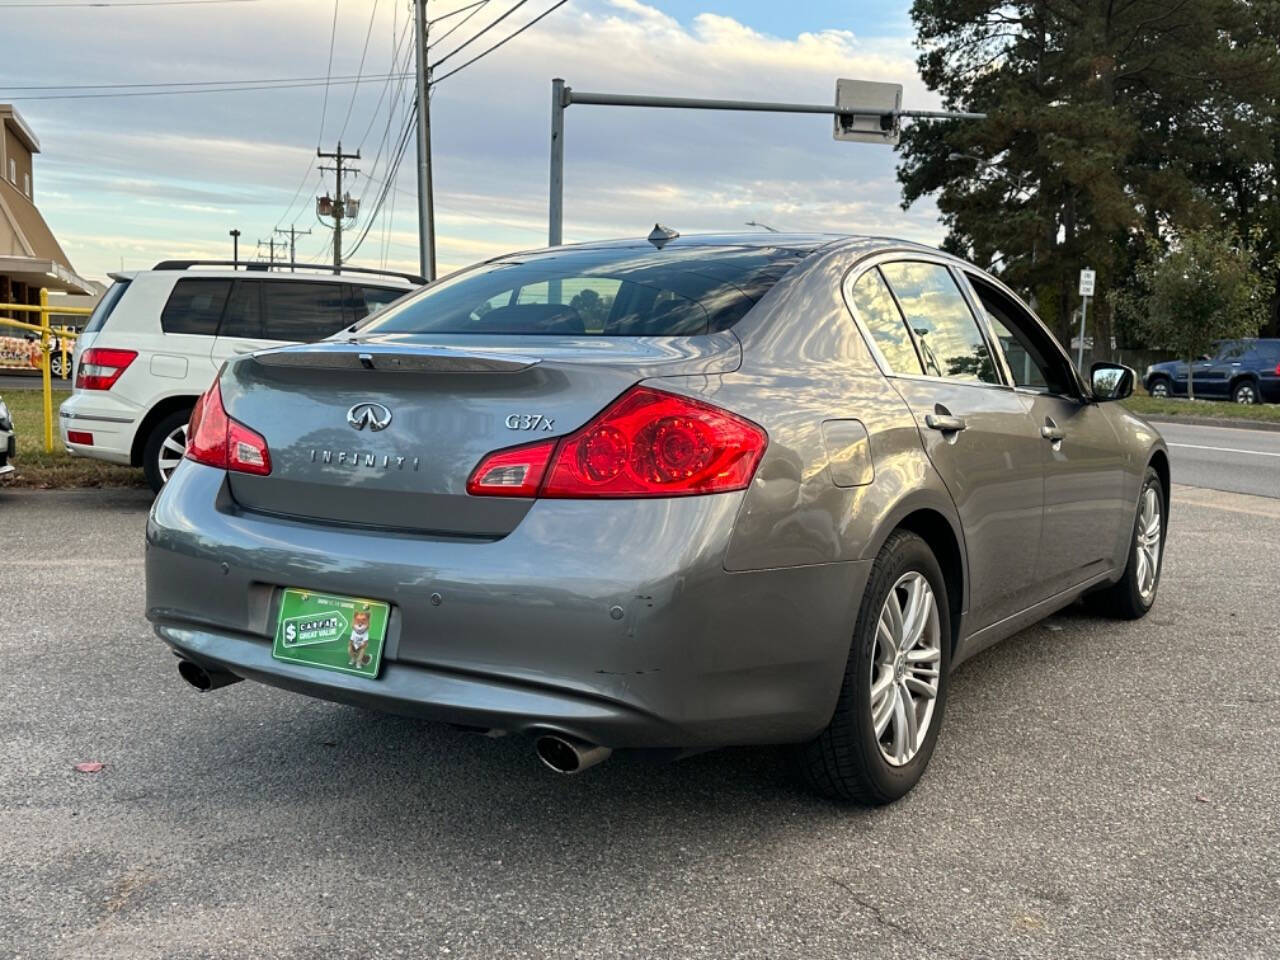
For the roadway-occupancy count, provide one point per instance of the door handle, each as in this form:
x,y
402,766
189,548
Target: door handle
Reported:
x,y
944,422
1052,432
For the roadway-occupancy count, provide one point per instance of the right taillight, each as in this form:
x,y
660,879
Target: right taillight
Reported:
x,y
647,443
100,367
216,440
1278,369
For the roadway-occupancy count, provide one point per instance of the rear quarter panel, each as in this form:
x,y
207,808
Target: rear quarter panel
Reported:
x,y
804,362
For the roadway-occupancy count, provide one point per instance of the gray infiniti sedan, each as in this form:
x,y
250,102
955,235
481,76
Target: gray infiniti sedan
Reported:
x,y
718,490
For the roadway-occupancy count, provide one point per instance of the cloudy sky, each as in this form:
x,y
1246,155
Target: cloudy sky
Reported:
x,y
131,180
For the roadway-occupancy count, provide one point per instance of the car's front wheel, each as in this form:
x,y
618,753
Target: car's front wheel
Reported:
x,y
1160,387
165,448
1245,392
890,708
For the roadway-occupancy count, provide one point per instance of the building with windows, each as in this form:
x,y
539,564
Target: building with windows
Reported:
x,y
30,255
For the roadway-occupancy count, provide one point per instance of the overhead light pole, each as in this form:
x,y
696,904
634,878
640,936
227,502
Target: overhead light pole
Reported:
x,y
235,249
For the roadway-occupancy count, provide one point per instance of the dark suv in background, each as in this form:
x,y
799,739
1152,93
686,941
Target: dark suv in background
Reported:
x,y
1246,371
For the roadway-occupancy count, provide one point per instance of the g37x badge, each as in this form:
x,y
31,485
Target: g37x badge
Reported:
x,y
530,421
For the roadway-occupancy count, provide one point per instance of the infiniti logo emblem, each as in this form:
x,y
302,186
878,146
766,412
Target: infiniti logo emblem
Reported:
x,y
372,415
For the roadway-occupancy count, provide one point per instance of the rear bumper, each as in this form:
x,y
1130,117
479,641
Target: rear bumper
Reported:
x,y
112,423
613,621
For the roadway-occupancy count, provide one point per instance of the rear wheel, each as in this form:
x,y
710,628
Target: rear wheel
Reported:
x,y
886,721
1246,391
165,448
1133,595
1160,387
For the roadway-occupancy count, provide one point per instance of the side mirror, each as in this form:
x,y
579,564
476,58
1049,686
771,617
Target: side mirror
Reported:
x,y
1111,381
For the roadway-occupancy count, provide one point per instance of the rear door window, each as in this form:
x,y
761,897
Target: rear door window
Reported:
x,y
372,299
873,303
947,335
296,310
243,318
195,306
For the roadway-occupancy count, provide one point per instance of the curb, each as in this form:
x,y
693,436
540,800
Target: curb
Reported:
x,y
1215,422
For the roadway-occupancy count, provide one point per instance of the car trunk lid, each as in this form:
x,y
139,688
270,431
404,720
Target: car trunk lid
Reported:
x,y
384,431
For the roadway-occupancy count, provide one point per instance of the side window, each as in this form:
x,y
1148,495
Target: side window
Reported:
x,y
1032,358
947,335
1233,350
879,314
298,311
375,298
195,306
244,311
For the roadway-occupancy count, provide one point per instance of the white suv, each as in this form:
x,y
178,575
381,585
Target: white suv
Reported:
x,y
158,337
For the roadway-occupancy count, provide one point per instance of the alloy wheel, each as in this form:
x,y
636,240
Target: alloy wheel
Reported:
x,y
171,452
905,668
1160,389
1149,535
1246,394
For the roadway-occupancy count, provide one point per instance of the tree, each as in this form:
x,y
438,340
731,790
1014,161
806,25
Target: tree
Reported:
x,y
1207,287
1109,124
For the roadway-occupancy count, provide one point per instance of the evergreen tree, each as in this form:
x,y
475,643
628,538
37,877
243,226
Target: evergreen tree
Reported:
x,y
1111,122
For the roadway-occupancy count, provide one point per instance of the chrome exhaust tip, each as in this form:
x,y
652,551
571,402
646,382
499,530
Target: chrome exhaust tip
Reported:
x,y
205,680
565,755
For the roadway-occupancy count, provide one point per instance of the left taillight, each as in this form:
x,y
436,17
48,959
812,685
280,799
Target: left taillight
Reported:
x,y
100,367
216,440
647,443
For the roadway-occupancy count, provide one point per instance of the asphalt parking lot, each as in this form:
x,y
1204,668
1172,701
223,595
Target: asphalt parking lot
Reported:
x,y
1099,790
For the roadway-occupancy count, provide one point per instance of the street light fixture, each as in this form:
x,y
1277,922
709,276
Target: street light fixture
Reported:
x,y
235,249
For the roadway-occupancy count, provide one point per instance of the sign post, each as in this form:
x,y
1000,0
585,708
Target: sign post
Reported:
x,y
1088,279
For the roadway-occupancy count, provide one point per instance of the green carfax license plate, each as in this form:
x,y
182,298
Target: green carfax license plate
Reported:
x,y
336,633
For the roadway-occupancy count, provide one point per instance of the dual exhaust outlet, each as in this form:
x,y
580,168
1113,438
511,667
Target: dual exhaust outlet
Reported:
x,y
566,755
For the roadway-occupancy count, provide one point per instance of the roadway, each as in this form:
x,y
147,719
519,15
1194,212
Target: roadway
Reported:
x,y
1224,458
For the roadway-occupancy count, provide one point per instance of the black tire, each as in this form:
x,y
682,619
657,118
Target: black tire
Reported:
x,y
1123,599
845,761
1158,384
1246,391
151,467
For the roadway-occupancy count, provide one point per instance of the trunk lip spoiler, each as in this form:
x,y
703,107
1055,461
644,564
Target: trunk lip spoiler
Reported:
x,y
398,358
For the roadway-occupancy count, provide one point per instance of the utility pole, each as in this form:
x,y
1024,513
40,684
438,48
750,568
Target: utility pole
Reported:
x,y
341,206
293,233
426,202
270,243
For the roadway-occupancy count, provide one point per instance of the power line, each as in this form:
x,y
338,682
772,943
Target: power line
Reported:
x,y
360,69
475,8
397,54
278,85
186,83
464,66
454,13
324,109
472,39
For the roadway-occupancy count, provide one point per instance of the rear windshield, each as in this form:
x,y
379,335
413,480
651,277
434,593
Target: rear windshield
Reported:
x,y
612,292
105,306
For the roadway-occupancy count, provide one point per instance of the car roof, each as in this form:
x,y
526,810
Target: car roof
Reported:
x,y
798,242
363,279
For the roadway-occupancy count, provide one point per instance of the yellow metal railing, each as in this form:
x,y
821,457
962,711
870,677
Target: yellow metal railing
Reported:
x,y
46,330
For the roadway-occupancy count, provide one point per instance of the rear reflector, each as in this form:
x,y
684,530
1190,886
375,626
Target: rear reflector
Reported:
x,y
216,440
647,443
80,436
100,367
